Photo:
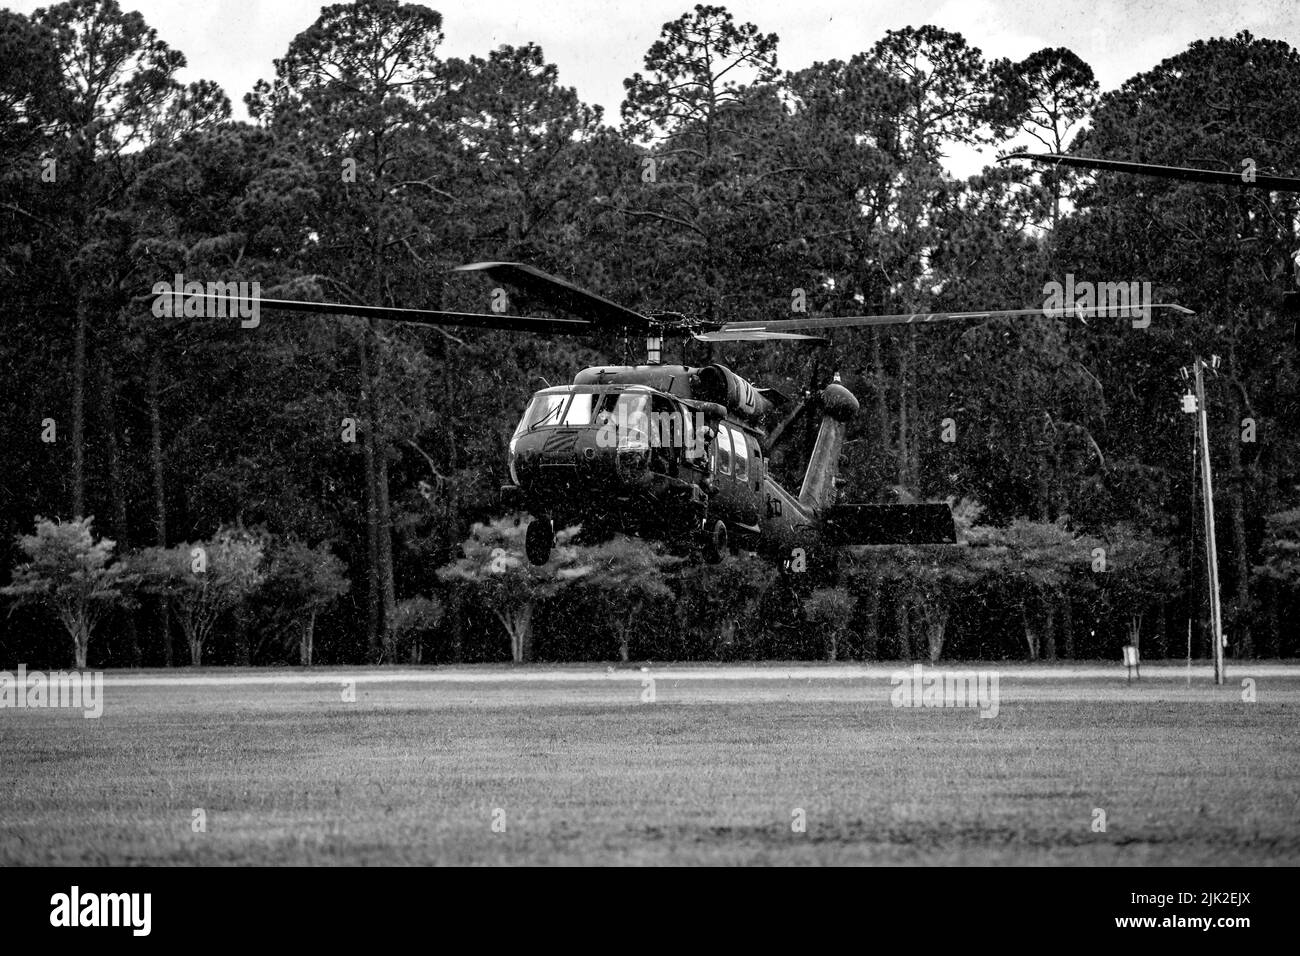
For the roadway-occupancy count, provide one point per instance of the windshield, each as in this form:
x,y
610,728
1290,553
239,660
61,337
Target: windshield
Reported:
x,y
626,410
579,410
544,409
560,408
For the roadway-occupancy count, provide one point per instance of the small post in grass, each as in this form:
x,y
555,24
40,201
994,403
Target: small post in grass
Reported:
x,y
1131,661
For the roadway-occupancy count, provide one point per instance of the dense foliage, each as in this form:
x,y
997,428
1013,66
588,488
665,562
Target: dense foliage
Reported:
x,y
339,477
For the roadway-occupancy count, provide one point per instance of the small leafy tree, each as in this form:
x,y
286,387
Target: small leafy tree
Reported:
x,y
1279,569
495,565
1032,563
1141,569
930,579
300,582
628,573
69,571
1280,555
205,579
927,579
829,610
414,616
723,603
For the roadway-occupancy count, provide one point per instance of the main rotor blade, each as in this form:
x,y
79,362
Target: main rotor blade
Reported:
x,y
508,323
561,294
928,318
740,335
1281,184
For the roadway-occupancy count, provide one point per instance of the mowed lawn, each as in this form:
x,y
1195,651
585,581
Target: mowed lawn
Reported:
x,y
713,771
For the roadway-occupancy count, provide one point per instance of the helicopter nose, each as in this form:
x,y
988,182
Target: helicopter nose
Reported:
x,y
631,464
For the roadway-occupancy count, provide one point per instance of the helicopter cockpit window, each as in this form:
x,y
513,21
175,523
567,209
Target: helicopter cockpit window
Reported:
x,y
688,435
544,409
723,445
629,416
742,458
579,411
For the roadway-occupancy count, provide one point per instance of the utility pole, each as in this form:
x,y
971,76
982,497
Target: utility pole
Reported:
x,y
1207,503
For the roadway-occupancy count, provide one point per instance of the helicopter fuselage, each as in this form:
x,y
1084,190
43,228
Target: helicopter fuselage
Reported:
x,y
647,450
678,454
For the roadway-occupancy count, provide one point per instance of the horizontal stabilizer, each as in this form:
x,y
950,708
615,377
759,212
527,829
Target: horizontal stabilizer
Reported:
x,y
889,524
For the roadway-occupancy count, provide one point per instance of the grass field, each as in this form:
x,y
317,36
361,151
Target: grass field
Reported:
x,y
713,771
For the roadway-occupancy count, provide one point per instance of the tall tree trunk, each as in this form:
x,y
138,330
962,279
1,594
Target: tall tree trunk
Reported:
x,y
1031,621
1067,627
904,612
1162,628
904,421
1049,633
1274,646
388,590
154,398
457,626
871,640
882,393
936,632
519,625
383,531
368,429
1042,486
79,408
526,636
117,493
1238,482
913,414
243,647
308,635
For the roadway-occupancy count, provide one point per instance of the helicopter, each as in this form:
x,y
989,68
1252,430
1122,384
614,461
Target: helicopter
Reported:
x,y
679,453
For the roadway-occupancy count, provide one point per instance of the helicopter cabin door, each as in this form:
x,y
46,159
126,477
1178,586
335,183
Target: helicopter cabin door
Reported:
x,y
738,476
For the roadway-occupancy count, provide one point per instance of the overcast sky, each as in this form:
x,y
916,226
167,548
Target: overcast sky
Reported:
x,y
596,44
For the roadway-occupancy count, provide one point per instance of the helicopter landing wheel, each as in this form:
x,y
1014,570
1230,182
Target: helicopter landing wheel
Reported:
x,y
715,543
538,540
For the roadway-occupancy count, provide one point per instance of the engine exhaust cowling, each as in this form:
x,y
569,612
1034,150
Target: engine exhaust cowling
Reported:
x,y
717,383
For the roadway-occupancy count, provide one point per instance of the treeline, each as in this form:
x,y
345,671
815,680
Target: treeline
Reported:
x,y
245,597
727,188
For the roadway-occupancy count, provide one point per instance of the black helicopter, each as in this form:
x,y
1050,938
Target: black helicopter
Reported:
x,y
674,452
